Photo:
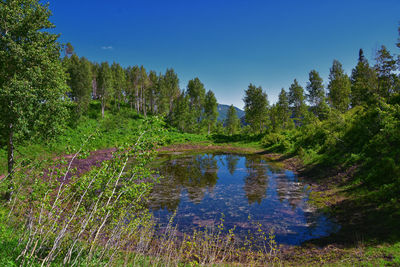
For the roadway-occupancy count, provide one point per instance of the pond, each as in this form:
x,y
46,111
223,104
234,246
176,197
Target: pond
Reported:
x,y
203,188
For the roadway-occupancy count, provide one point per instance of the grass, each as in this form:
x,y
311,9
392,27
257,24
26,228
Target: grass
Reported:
x,y
113,131
369,235
8,241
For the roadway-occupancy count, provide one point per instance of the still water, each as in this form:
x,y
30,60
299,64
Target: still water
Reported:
x,y
202,188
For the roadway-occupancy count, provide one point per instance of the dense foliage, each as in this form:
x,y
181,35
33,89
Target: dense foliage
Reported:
x,y
32,80
53,105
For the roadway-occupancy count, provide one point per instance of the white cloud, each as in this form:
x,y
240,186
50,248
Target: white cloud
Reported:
x,y
107,47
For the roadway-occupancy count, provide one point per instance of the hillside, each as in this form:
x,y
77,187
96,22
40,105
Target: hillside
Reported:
x,y
223,112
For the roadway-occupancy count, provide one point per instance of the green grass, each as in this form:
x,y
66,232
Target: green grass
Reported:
x,y
8,241
114,130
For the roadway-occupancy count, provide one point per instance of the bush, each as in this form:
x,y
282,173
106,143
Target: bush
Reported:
x,y
276,142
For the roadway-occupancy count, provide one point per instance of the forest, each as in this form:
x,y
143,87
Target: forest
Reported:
x,y
342,136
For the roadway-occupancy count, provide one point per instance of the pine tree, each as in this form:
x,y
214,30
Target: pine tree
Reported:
x,y
363,82
385,67
256,107
339,87
232,122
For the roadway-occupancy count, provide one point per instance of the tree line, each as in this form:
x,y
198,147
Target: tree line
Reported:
x,y
193,109
298,106
44,84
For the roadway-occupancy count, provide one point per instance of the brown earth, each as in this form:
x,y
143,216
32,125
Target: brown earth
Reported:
x,y
83,165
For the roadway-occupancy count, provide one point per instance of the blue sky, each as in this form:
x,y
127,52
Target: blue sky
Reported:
x,y
229,44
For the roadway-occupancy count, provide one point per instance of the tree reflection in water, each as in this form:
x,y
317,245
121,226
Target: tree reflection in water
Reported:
x,y
196,174
256,181
202,187
231,162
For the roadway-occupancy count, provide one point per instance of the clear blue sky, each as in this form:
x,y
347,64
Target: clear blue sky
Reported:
x,y
228,44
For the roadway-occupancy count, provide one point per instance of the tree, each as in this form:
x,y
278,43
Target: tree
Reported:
x,y
170,89
32,80
296,100
153,91
79,81
196,92
283,110
256,107
143,83
339,87
132,86
363,81
95,69
179,116
210,110
68,50
105,83
118,79
232,122
316,94
385,67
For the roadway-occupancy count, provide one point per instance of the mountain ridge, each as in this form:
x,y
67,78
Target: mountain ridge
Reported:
x,y
223,112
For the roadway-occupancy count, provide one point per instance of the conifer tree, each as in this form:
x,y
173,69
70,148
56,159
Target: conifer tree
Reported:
x,y
339,87
363,81
385,67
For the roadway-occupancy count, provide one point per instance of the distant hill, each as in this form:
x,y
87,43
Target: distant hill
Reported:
x,y
223,112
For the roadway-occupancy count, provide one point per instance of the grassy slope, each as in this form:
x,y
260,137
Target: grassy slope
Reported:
x,y
367,248
112,131
352,160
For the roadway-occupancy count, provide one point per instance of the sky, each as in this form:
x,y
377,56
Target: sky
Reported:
x,y
230,44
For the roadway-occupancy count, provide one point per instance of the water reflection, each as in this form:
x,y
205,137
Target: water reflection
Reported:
x,y
231,162
202,187
256,181
195,174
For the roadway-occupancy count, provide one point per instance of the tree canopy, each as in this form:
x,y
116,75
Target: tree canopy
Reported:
x,y
32,80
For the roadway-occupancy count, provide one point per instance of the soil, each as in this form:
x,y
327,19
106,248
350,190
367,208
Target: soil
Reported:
x,y
84,165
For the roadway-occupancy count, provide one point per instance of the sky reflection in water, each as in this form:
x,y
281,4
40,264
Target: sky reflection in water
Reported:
x,y
202,187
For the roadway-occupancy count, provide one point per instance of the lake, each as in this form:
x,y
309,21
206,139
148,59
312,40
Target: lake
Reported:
x,y
243,190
